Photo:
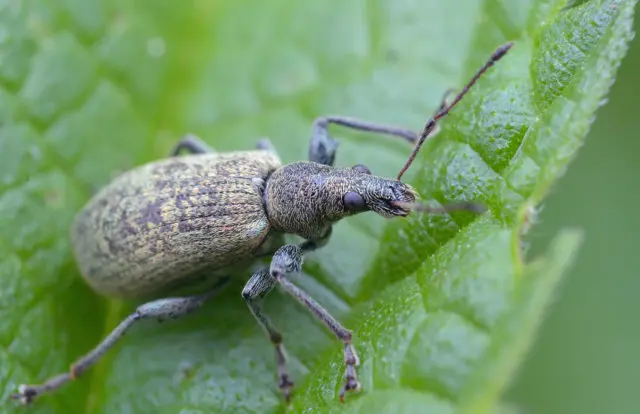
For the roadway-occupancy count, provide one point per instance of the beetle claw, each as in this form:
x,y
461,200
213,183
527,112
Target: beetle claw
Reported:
x,y
286,386
26,394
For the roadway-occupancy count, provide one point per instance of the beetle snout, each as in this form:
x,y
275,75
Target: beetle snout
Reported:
x,y
394,200
402,193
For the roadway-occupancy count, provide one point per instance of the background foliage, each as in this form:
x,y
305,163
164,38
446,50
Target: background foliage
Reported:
x,y
443,308
586,358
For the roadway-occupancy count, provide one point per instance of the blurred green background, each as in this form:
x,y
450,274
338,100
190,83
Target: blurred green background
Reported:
x,y
587,357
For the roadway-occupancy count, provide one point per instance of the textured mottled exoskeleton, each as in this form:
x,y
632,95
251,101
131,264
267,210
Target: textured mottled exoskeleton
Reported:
x,y
172,222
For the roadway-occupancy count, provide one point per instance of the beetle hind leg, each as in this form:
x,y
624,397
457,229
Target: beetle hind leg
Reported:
x,y
161,309
192,144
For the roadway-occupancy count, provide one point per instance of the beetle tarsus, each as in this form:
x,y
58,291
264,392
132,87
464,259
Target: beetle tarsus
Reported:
x,y
26,394
286,386
284,381
351,361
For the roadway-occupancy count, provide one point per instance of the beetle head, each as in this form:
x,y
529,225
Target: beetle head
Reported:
x,y
305,198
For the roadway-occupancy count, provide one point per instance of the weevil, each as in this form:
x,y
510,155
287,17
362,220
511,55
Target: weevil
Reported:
x,y
171,221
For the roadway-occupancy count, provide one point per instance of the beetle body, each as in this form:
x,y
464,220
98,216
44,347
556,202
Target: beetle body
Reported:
x,y
160,224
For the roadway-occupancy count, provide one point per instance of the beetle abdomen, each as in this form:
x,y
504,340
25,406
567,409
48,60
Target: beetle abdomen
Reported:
x,y
166,220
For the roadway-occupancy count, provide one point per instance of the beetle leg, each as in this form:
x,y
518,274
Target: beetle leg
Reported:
x,y
288,260
192,144
322,148
306,246
311,245
266,145
161,309
258,286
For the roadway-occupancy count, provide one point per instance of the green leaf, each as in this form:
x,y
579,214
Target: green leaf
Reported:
x,y
443,308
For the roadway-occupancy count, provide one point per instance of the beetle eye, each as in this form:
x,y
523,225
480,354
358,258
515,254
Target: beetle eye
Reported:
x,y
361,169
353,202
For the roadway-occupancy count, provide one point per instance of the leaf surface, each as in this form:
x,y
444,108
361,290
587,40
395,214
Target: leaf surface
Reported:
x,y
443,308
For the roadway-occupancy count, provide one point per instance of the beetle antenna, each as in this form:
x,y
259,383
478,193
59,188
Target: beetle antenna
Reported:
x,y
431,124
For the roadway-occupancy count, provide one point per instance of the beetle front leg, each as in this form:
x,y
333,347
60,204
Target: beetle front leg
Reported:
x,y
258,286
161,309
191,144
288,260
323,148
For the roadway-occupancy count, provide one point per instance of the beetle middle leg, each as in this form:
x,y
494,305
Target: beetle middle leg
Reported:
x,y
191,144
161,309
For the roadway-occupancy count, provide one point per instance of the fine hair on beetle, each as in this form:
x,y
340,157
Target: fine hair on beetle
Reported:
x,y
168,222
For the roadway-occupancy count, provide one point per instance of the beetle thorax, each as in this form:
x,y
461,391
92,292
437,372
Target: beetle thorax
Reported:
x,y
306,198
